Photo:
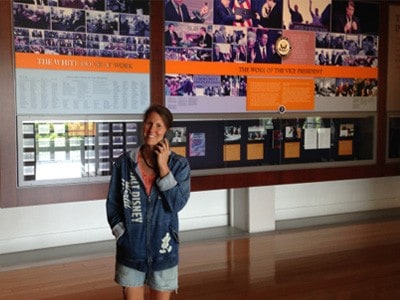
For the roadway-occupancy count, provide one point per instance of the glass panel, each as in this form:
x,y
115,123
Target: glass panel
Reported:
x,y
72,150
394,137
53,151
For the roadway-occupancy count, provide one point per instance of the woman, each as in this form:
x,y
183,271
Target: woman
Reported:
x,y
148,187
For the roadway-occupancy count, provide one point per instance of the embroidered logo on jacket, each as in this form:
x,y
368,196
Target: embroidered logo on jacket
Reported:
x,y
131,198
165,246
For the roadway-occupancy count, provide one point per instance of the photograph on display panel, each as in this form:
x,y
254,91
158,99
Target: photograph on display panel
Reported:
x,y
249,13
201,85
307,15
355,17
64,27
192,11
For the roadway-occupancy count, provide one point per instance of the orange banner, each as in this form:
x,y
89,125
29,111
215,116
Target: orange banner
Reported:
x,y
81,63
213,68
105,64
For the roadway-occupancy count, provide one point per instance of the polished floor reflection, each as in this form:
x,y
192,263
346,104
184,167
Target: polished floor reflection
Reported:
x,y
355,261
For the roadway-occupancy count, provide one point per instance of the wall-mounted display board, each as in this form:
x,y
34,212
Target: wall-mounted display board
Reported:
x,y
81,57
256,55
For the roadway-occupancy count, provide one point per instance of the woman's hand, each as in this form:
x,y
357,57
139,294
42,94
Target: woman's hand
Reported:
x,y
162,151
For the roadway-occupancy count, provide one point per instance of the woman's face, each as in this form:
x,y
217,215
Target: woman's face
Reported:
x,y
350,11
154,129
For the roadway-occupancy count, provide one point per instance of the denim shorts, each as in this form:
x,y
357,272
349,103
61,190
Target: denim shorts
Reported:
x,y
165,280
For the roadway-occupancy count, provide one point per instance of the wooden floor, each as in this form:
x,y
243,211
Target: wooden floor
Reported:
x,y
357,261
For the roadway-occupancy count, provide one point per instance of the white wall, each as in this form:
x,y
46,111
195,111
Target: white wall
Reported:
x,y
35,227
42,226
328,198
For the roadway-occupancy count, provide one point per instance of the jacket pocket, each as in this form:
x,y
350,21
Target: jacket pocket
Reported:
x,y
121,239
175,234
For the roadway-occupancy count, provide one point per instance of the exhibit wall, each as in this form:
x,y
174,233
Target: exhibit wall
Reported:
x,y
321,114
82,76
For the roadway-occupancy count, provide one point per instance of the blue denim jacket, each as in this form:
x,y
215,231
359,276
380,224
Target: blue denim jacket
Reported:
x,y
146,226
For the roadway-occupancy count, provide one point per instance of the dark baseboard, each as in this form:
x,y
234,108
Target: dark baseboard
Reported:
x,y
393,213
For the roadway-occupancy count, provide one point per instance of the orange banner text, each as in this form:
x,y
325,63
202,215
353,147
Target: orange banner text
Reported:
x,y
81,63
212,68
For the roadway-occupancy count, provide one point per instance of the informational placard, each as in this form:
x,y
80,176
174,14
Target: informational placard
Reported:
x,y
41,91
254,55
81,57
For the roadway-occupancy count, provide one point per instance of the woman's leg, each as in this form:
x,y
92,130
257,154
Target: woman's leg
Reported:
x,y
158,295
133,293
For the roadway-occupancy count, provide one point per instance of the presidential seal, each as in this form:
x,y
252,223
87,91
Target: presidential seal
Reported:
x,y
283,46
